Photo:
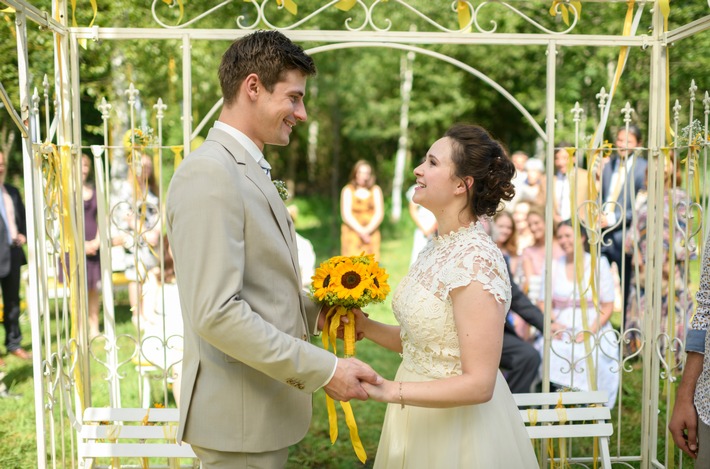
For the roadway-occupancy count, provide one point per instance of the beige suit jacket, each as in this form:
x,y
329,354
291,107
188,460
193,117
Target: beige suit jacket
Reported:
x,y
248,368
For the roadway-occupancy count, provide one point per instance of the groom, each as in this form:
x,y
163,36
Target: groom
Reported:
x,y
249,369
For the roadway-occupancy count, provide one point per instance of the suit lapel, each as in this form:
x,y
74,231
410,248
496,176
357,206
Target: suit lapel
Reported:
x,y
256,175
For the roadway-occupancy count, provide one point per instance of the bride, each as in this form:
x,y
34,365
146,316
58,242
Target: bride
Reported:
x,y
449,406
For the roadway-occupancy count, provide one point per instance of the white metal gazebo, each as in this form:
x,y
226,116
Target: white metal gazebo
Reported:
x,y
52,146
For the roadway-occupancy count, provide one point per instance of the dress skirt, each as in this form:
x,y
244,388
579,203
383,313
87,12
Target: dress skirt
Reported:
x,y
491,435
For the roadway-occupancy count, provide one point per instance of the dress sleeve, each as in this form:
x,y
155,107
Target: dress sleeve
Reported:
x,y
479,264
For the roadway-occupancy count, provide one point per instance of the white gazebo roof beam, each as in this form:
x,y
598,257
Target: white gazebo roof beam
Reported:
x,y
688,30
41,17
97,33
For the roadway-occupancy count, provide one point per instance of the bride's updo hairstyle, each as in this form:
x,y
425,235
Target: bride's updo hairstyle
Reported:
x,y
475,153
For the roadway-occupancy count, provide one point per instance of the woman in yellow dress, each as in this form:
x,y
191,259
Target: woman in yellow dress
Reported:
x,y
362,211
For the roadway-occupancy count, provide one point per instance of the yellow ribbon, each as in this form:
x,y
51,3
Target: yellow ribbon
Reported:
x,y
181,7
330,330
94,9
464,14
564,9
345,5
289,5
532,417
562,416
177,155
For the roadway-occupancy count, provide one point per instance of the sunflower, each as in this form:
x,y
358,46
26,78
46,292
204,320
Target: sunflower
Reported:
x,y
321,282
350,279
379,288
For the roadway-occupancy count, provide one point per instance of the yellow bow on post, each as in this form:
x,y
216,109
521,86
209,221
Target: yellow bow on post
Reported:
x,y
464,14
345,5
289,5
181,7
564,9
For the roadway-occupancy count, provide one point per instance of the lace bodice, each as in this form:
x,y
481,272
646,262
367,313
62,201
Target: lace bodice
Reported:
x,y
422,304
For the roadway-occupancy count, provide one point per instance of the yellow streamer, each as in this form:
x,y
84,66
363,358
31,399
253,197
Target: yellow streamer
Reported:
x,y
181,7
332,418
345,5
289,5
94,9
177,155
532,416
562,416
464,14
354,437
328,337
564,10
665,8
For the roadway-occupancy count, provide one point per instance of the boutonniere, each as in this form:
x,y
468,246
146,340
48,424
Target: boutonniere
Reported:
x,y
281,189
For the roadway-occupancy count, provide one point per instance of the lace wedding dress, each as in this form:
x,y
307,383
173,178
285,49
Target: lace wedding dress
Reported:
x,y
483,436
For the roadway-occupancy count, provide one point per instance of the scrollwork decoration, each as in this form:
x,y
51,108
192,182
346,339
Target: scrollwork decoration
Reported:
x,y
467,15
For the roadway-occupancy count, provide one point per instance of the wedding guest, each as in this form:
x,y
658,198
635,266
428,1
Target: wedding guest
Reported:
x,y
675,269
135,220
362,210
520,217
568,183
12,210
533,190
249,368
690,421
425,222
571,363
519,159
622,177
91,245
449,405
533,257
506,240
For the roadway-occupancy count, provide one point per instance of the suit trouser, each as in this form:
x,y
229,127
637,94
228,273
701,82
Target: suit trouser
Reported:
x,y
703,461
11,301
521,362
214,459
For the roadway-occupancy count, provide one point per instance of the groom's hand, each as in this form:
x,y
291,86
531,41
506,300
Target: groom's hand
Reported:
x,y
345,384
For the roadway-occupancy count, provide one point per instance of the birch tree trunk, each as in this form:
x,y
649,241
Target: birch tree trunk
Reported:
x,y
407,74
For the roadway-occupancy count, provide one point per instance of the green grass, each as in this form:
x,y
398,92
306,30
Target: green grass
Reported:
x,y
17,416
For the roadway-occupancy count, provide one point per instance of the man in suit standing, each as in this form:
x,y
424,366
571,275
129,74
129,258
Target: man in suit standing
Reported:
x,y
12,212
622,177
249,369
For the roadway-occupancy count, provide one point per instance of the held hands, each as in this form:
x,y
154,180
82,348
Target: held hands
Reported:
x,y
387,391
350,378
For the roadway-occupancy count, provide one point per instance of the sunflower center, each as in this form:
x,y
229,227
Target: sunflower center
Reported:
x,y
377,284
351,279
326,281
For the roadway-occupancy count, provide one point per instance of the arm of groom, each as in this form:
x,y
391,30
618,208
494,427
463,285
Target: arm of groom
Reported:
x,y
235,279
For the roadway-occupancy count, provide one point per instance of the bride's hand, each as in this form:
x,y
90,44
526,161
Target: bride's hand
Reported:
x,y
379,392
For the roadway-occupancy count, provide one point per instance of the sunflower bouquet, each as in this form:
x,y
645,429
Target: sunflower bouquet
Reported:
x,y
345,283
